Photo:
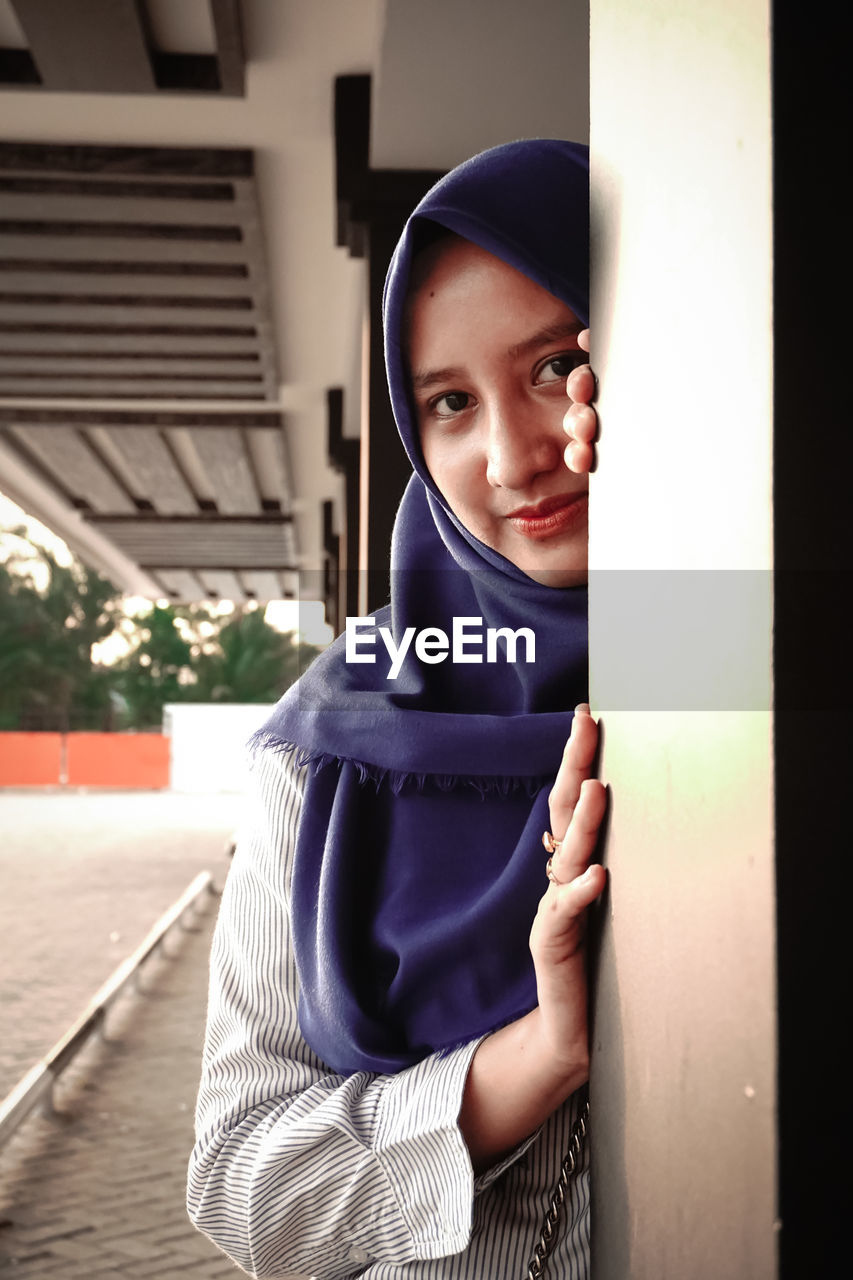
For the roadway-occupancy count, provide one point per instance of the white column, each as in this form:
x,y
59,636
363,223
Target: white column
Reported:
x,y
683,1087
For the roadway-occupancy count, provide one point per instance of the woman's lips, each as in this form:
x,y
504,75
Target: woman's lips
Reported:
x,y
551,516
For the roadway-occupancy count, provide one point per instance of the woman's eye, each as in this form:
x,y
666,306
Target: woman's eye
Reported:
x,y
452,402
557,368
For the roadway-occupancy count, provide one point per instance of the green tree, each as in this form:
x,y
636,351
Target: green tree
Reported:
x,y
50,617
250,661
158,669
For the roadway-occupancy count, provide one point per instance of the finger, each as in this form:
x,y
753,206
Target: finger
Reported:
x,y
578,844
580,384
583,339
560,910
580,421
579,457
575,766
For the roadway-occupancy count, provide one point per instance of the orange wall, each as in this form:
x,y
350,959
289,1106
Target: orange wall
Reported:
x,y
118,760
30,759
130,760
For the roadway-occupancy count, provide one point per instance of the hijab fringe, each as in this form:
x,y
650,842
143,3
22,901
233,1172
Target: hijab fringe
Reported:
x,y
398,780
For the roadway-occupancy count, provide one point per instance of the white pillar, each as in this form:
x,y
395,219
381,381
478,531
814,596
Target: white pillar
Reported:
x,y
683,1087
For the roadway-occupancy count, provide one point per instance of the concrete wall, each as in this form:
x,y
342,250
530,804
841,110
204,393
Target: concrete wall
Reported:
x,y
683,1085
209,744
454,78
125,761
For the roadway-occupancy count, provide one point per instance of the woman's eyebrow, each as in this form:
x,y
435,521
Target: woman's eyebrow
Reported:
x,y
422,380
430,377
550,333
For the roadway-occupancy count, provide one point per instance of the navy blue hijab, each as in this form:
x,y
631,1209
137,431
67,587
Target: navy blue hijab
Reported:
x,y
418,862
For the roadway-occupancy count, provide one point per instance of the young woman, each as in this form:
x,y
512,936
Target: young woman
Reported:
x,y
397,1039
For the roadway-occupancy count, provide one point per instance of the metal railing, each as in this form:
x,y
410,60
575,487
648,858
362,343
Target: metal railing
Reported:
x,y
39,1081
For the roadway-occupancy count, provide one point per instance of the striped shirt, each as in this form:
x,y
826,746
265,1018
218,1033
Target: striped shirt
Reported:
x,y
299,1172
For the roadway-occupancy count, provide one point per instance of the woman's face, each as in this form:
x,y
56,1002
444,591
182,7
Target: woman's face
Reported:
x,y
489,353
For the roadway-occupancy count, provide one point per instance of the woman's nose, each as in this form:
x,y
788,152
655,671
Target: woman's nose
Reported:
x,y
520,445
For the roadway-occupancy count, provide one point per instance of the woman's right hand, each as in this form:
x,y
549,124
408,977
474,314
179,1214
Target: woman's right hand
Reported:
x,y
521,1073
557,939
580,421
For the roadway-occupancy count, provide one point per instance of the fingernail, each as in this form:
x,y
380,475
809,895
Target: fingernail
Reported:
x,y
582,709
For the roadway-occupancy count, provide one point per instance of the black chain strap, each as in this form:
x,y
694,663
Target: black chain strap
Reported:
x,y
548,1236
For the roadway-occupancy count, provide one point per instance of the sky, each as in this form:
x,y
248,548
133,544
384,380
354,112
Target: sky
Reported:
x,y
305,616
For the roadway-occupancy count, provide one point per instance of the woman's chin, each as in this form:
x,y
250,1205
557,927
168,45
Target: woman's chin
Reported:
x,y
556,566
557,577
554,562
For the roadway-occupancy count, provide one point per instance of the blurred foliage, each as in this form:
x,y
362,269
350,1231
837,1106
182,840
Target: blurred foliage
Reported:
x,y
46,637
51,615
190,654
158,668
250,661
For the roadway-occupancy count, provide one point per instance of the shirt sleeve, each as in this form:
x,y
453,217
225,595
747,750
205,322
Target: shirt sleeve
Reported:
x,y
297,1169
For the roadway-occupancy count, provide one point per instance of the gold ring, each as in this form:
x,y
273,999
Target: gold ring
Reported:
x,y
549,872
552,845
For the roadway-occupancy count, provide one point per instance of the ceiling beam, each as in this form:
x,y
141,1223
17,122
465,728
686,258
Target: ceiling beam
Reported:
x,y
20,414
91,46
25,487
202,520
178,162
229,47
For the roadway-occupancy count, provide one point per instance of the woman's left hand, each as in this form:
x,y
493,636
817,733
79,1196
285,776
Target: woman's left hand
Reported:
x,y
521,1073
576,804
581,421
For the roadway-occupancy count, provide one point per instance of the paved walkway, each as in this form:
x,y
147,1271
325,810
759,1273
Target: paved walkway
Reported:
x,y
96,1189
84,876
